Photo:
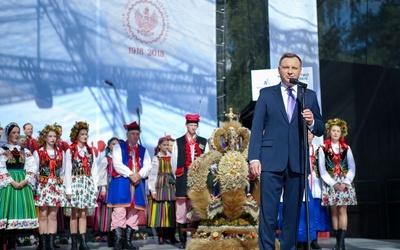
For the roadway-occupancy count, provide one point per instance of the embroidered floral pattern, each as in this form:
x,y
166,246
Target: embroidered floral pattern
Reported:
x,y
330,197
50,167
133,151
19,224
83,189
197,152
14,156
336,163
51,193
82,164
337,166
84,193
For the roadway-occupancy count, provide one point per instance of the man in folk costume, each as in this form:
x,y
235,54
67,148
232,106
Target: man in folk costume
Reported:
x,y
32,142
185,150
61,144
131,165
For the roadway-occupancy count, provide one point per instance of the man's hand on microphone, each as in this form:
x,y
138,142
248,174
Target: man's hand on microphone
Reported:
x,y
308,116
255,167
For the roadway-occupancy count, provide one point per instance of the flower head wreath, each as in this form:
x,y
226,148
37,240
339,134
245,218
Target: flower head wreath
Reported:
x,y
45,131
336,122
75,130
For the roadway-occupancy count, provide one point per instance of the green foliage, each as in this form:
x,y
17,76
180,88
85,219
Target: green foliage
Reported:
x,y
358,31
246,49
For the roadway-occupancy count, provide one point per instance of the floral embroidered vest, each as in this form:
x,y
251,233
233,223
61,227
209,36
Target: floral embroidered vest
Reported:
x,y
339,161
15,158
81,165
50,167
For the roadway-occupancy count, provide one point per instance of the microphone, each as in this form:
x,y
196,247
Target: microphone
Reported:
x,y
295,81
118,99
109,83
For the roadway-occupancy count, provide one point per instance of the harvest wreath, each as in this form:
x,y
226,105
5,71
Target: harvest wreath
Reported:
x,y
230,219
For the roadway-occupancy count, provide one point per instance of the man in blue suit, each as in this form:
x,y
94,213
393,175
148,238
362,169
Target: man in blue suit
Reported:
x,y
276,153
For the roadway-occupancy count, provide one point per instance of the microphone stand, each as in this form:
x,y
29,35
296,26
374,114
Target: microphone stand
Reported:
x,y
138,114
306,159
118,100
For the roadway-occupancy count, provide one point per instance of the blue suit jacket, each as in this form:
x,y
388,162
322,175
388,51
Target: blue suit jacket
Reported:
x,y
274,140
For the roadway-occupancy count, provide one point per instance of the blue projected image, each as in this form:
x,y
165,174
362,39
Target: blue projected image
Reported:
x,y
158,59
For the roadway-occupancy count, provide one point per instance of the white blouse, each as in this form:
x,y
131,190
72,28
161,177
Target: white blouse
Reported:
x,y
326,176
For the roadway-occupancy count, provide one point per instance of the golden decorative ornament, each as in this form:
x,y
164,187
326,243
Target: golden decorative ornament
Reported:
x,y
232,209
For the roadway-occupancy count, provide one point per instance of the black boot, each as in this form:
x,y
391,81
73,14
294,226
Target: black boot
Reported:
x,y
160,236
171,235
11,242
42,242
128,239
54,241
83,245
301,246
118,237
110,239
337,236
182,235
50,241
3,241
342,236
314,245
74,242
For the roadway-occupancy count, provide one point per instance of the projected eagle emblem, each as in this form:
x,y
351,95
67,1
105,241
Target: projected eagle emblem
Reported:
x,y
145,21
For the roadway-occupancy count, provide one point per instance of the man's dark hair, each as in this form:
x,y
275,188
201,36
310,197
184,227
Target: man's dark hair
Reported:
x,y
26,125
290,55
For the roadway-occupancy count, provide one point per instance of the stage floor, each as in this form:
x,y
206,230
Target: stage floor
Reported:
x,y
326,243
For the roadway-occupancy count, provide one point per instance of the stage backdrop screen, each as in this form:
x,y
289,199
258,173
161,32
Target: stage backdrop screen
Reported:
x,y
108,63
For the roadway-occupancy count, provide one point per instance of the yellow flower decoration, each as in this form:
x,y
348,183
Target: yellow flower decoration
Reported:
x,y
75,130
43,133
336,122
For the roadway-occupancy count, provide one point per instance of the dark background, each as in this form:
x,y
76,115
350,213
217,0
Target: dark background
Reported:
x,y
368,98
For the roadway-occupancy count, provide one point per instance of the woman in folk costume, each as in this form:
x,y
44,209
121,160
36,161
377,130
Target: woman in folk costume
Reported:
x,y
337,168
81,174
17,180
50,193
162,188
127,189
102,216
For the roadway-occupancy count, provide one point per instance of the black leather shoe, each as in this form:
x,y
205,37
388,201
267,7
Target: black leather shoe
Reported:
x,y
301,246
314,245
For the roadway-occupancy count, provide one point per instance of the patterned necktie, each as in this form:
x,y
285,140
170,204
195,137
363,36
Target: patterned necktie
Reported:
x,y
290,103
